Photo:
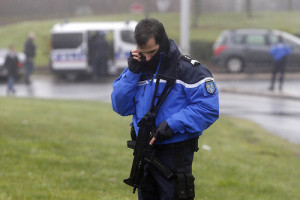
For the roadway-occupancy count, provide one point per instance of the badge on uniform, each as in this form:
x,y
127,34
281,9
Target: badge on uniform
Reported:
x,y
189,59
210,87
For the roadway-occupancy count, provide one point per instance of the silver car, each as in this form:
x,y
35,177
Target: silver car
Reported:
x,y
239,49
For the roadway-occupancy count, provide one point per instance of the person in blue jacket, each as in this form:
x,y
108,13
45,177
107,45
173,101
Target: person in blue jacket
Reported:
x,y
279,53
190,107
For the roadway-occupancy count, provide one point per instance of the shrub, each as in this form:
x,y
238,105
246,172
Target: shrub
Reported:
x,y
201,50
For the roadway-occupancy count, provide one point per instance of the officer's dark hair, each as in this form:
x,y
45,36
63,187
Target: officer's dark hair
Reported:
x,y
148,28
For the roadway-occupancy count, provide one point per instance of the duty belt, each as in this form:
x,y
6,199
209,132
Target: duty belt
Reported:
x,y
193,143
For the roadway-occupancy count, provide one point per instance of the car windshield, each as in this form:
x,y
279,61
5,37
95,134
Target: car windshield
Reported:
x,y
221,39
291,39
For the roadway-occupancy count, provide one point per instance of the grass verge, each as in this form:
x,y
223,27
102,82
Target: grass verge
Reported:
x,y
52,149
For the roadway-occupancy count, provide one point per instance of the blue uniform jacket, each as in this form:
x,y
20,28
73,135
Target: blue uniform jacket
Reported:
x,y
279,51
191,106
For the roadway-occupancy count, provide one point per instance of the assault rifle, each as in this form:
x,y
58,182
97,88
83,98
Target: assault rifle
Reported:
x,y
142,150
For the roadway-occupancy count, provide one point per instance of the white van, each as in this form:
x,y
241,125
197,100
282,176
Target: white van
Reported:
x,y
71,46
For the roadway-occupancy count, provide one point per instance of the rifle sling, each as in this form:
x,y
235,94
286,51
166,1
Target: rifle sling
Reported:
x,y
167,89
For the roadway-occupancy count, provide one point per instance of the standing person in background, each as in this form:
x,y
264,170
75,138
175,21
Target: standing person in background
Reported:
x,y
29,50
99,54
11,63
279,53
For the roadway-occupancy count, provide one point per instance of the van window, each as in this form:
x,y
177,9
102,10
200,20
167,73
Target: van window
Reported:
x,y
127,36
257,39
66,40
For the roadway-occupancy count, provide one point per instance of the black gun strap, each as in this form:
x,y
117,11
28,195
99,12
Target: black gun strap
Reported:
x,y
167,89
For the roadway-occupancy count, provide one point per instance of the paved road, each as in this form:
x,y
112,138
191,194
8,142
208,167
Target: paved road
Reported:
x,y
247,96
279,116
243,97
49,88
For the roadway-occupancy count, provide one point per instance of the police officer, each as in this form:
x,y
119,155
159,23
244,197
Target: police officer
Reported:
x,y
99,54
279,53
191,106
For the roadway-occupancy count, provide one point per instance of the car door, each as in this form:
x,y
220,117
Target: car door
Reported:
x,y
69,51
293,59
124,42
257,49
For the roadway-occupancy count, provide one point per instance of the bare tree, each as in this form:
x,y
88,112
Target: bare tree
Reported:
x,y
249,8
196,12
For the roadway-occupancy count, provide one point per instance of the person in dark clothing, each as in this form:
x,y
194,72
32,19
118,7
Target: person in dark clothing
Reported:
x,y
99,52
188,108
29,50
279,53
11,63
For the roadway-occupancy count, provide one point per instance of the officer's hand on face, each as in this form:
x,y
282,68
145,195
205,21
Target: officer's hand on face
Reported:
x,y
134,61
163,132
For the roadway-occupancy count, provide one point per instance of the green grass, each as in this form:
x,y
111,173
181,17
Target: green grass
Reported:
x,y
210,26
59,150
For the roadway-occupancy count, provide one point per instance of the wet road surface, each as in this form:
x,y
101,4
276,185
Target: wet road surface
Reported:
x,y
279,116
51,88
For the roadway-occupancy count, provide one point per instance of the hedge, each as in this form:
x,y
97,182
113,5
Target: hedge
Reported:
x,y
201,50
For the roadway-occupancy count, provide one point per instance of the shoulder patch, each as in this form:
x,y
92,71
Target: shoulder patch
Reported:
x,y
190,60
210,87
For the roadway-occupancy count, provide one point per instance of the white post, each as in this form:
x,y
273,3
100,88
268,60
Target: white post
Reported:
x,y
238,5
185,10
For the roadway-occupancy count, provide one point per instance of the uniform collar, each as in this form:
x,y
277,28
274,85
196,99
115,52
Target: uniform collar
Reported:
x,y
168,63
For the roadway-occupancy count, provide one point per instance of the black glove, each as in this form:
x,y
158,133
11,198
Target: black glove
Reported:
x,y
163,132
133,64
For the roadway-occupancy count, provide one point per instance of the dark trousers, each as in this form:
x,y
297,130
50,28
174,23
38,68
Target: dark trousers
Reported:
x,y
29,66
100,66
155,185
279,67
10,85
